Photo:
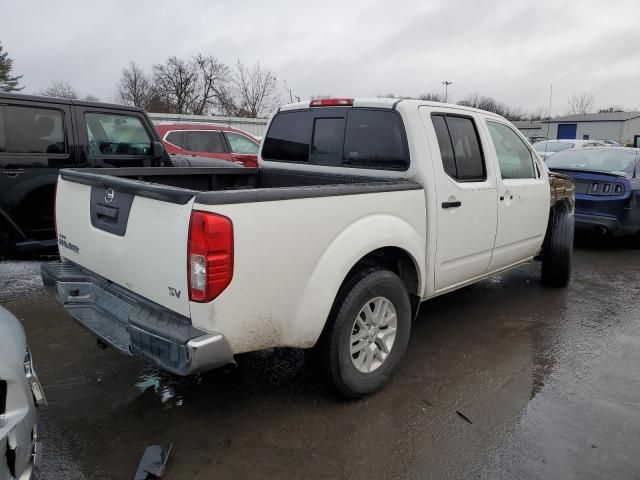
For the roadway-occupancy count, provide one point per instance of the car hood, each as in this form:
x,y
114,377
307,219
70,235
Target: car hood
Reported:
x,y
574,171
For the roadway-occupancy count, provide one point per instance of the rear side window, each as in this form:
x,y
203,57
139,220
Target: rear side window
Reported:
x,y
31,130
289,137
514,157
375,139
355,137
241,144
116,135
460,149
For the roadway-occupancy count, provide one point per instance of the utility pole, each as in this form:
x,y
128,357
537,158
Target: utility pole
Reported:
x,y
446,84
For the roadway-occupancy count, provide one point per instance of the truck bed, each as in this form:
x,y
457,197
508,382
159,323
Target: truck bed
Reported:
x,y
215,186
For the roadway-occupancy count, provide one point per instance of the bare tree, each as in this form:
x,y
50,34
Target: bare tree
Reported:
x,y
213,78
90,98
255,90
60,89
538,113
580,103
134,87
432,97
176,83
475,100
157,105
201,85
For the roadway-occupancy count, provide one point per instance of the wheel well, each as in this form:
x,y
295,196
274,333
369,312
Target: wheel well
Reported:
x,y
394,259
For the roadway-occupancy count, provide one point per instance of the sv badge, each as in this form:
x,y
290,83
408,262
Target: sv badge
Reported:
x,y
174,292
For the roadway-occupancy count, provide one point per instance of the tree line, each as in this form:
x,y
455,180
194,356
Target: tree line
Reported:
x,y
202,85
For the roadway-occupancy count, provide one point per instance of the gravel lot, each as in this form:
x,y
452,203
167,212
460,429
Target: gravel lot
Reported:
x,y
504,379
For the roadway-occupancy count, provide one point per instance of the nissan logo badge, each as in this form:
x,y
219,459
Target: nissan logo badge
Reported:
x,y
108,195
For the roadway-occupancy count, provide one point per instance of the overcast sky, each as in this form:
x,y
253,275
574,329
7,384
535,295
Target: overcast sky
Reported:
x,y
511,50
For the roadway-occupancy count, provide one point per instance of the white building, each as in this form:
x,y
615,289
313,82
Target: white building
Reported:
x,y
619,126
530,128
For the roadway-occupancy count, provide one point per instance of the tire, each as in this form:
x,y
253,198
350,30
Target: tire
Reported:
x,y
353,311
557,250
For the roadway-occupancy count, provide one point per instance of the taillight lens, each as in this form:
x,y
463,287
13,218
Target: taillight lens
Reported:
x,y
210,255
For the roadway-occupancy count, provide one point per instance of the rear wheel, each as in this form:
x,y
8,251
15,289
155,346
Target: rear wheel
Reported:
x,y
557,250
367,334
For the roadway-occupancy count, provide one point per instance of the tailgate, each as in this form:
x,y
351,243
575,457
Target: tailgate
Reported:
x,y
129,232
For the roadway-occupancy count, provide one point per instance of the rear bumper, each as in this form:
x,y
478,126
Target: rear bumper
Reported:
x,y
612,225
132,324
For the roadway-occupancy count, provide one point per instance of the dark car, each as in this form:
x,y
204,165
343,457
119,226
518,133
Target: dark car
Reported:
x,y
607,187
41,135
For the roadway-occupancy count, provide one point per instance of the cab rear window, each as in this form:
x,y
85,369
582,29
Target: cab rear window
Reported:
x,y
342,137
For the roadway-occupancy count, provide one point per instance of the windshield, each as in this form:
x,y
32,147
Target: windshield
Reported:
x,y
605,160
551,146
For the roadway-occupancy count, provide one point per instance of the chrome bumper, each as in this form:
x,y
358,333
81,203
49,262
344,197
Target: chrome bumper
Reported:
x,y
134,325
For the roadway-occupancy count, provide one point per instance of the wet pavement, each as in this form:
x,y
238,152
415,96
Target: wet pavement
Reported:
x,y
504,379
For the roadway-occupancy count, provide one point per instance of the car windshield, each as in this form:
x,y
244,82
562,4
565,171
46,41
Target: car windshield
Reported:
x,y
552,146
605,160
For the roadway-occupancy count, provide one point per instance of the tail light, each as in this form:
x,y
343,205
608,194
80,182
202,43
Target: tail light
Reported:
x,y
210,255
331,102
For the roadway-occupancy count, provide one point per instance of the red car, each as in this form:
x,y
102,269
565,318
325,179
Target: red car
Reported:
x,y
209,140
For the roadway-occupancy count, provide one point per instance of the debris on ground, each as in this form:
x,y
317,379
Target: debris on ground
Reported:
x,y
153,462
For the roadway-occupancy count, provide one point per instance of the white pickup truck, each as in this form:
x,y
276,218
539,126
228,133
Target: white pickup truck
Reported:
x,y
359,211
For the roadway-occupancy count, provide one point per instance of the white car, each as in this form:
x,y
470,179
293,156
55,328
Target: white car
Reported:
x,y
20,393
549,147
359,211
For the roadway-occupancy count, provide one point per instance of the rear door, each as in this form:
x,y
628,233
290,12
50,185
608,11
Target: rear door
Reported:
x,y
523,196
36,140
466,193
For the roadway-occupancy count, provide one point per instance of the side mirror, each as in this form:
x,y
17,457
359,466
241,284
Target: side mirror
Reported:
x,y
157,150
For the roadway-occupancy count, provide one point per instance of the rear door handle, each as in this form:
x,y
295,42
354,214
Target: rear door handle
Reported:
x,y
455,204
12,172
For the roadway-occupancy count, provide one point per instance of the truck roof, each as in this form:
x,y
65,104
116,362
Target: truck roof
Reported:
x,y
390,103
66,101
